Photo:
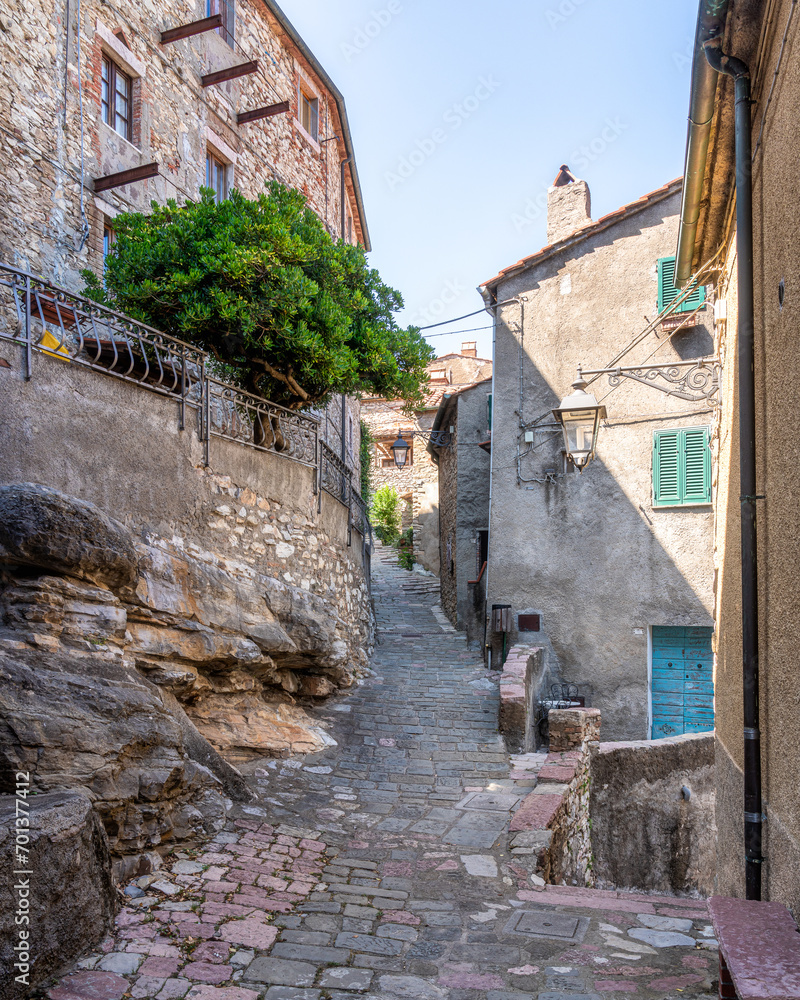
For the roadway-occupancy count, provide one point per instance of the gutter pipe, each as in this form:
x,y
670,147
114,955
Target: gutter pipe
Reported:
x,y
710,22
753,817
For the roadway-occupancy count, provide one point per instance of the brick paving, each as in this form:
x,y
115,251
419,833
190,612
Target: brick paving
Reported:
x,y
380,868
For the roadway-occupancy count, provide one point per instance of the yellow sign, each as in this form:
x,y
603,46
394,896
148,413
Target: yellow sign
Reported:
x,y
59,348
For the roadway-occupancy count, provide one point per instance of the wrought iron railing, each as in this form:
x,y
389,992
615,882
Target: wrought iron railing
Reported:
x,y
239,416
44,318
335,476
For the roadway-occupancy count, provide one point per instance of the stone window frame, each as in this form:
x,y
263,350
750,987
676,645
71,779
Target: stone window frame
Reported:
x,y
219,152
116,51
308,89
228,10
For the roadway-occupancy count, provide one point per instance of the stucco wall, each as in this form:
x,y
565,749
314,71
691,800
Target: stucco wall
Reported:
x,y
652,812
776,187
591,552
118,446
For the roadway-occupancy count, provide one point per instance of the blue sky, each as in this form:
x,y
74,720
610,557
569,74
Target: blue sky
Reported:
x,y
461,114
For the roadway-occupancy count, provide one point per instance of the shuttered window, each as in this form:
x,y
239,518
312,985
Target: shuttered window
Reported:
x,y
681,467
668,292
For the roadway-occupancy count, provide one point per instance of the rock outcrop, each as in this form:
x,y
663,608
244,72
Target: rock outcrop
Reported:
x,y
69,898
140,670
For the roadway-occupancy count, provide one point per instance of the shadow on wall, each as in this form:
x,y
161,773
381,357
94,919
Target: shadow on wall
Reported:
x,y
599,568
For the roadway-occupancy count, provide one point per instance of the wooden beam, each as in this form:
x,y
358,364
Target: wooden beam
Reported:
x,y
267,112
195,28
126,177
231,73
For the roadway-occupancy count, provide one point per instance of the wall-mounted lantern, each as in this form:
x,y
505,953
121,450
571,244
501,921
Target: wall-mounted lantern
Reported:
x,y
400,451
579,415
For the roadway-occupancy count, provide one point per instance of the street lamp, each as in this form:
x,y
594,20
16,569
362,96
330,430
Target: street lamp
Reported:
x,y
400,451
579,415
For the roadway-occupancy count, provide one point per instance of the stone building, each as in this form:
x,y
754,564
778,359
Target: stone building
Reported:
x,y
610,571
765,38
418,481
462,455
111,90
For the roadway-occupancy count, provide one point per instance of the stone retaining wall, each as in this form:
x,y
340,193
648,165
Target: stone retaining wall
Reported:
x,y
521,683
652,809
155,613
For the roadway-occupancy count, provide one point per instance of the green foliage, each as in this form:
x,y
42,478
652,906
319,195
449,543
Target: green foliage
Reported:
x,y
365,456
407,538
386,513
288,313
405,559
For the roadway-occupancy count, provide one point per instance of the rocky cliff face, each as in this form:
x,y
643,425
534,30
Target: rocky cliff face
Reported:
x,y
137,671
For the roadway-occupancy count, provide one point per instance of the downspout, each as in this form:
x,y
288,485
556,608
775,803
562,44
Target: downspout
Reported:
x,y
710,22
737,69
342,193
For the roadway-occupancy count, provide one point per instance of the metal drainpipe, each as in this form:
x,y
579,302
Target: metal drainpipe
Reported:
x,y
737,69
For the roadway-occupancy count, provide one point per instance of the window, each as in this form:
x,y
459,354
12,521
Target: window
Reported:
x,y
228,10
668,291
350,435
309,115
217,176
115,100
681,467
108,240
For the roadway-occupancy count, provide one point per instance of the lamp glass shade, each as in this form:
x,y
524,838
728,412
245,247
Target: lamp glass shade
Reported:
x,y
400,451
579,416
580,434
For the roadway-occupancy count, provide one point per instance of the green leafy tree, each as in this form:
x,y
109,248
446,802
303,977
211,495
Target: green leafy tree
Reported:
x,y
288,313
365,456
386,517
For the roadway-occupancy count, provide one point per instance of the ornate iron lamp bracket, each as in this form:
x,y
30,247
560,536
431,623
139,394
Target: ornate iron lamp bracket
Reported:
x,y
697,381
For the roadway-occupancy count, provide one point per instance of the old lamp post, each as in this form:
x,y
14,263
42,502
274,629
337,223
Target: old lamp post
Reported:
x,y
400,451
579,415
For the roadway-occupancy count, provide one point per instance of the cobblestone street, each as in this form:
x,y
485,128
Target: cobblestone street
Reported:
x,y
380,867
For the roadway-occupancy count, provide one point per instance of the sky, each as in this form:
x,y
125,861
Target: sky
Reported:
x,y
461,114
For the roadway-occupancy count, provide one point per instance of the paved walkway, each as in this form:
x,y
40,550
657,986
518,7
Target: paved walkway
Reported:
x,y
379,868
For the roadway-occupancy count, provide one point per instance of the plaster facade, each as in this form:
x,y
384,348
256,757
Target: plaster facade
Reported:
x,y
590,553
418,481
463,499
758,36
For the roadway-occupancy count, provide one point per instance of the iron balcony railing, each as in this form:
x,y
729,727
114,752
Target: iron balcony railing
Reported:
x,y
44,318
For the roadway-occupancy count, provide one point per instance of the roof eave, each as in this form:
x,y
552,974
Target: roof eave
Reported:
x,y
309,56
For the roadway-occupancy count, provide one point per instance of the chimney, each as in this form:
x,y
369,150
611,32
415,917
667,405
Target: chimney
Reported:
x,y
569,205
469,349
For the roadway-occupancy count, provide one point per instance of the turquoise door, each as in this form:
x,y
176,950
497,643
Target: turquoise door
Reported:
x,y
682,681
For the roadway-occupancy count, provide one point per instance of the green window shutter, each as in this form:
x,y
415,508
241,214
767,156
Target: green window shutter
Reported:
x,y
681,467
489,409
666,468
697,466
668,291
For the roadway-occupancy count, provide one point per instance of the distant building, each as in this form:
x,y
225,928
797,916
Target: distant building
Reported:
x,y
610,570
462,454
418,481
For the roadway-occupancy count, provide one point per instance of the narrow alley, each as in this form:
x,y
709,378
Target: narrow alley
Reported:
x,y
380,867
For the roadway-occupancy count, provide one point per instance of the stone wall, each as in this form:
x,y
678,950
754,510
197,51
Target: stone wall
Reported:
x,y
241,592
45,59
521,683
652,809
